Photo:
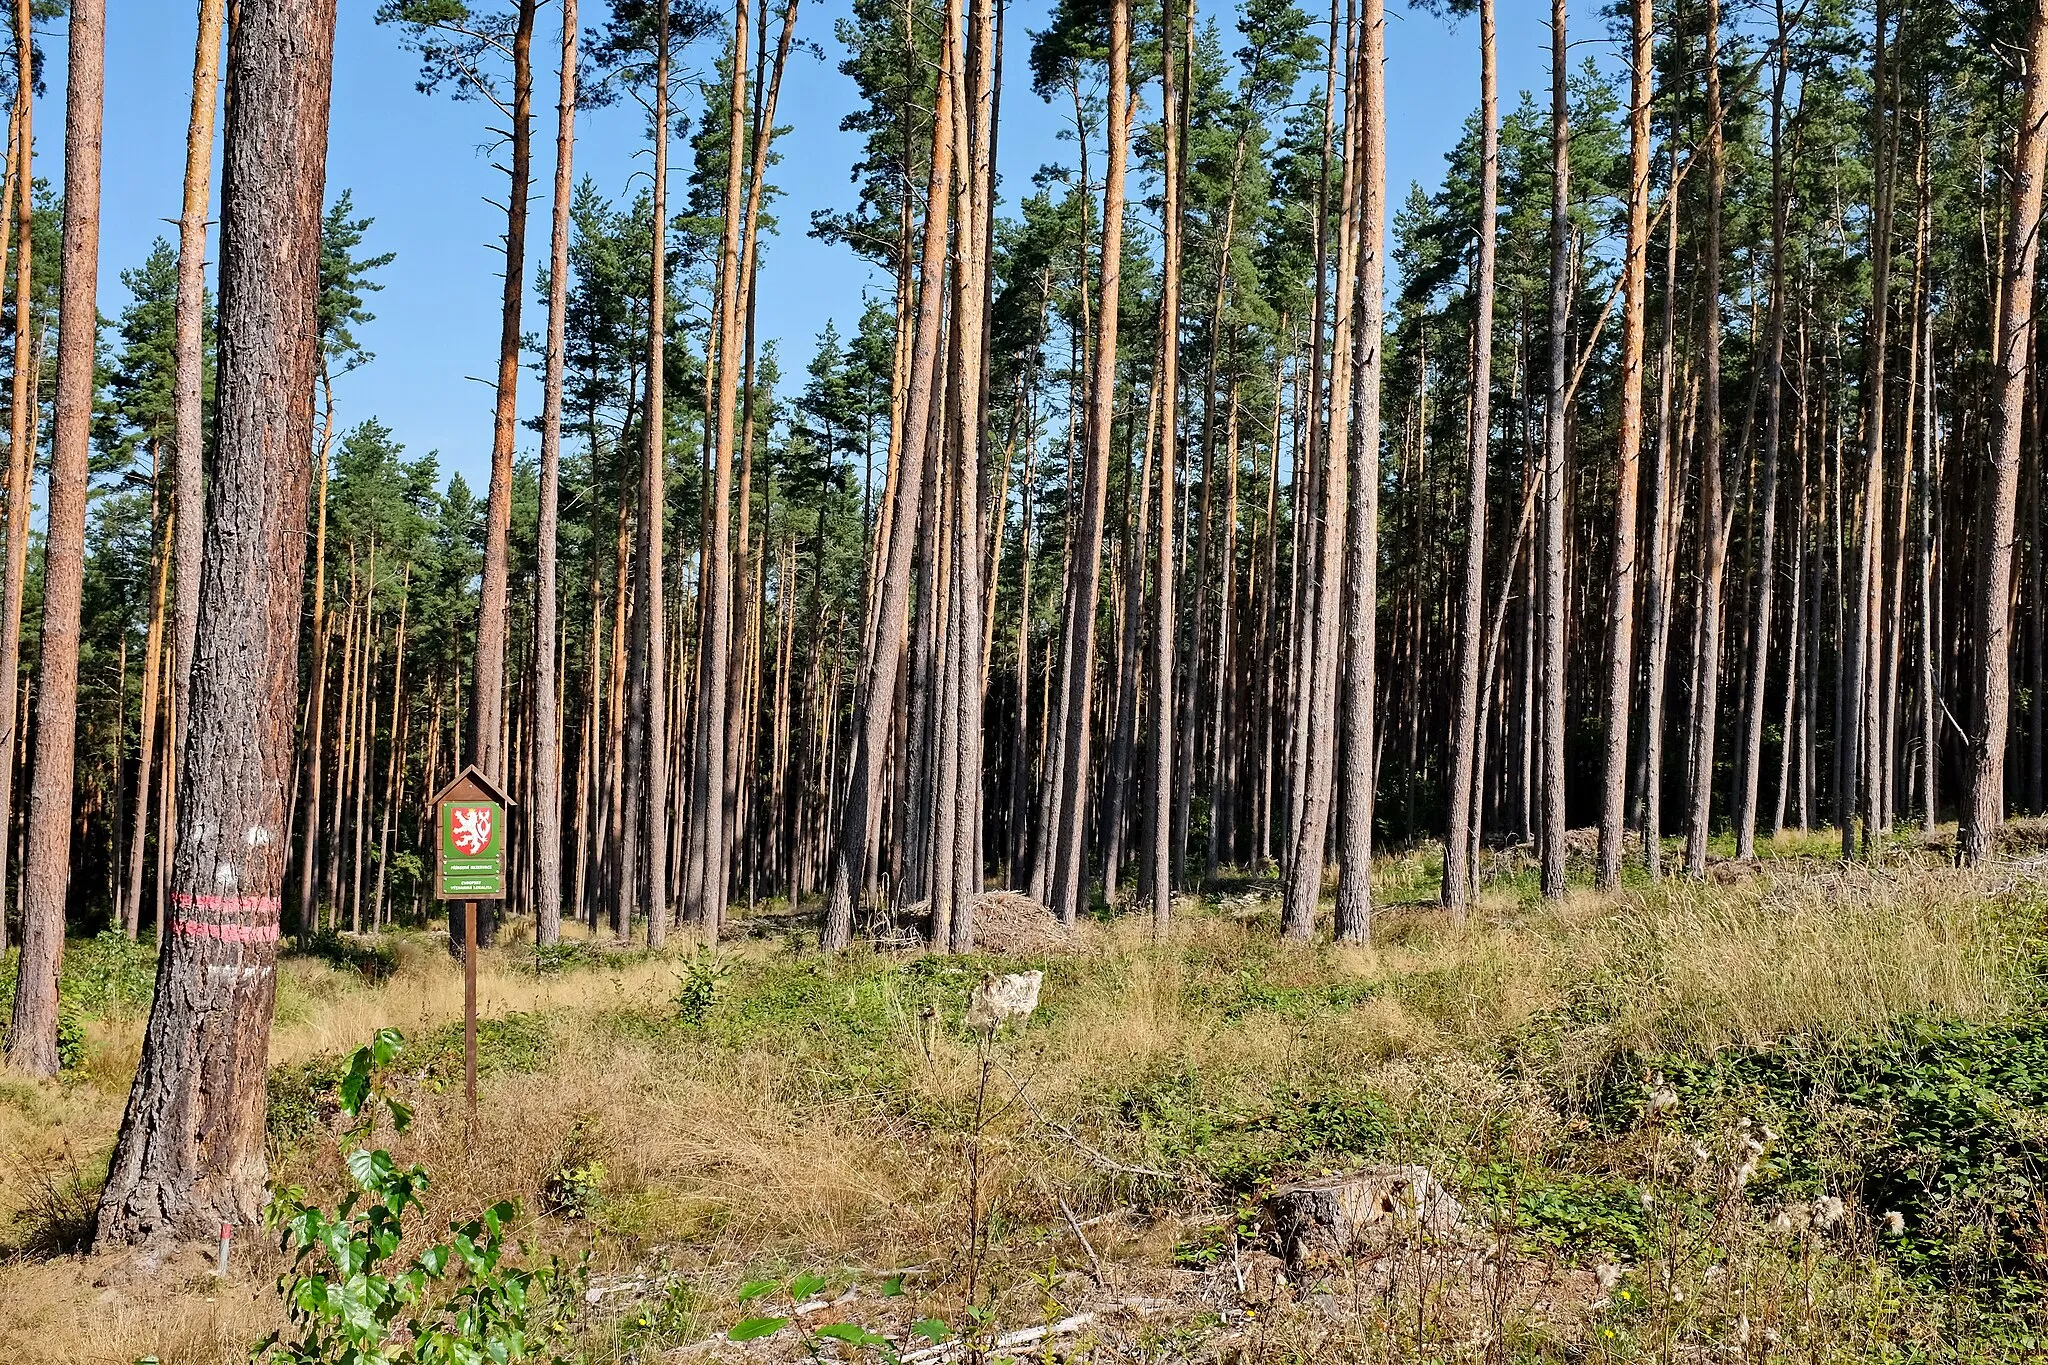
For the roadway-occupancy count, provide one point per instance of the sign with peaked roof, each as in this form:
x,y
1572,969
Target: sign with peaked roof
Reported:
x,y
469,815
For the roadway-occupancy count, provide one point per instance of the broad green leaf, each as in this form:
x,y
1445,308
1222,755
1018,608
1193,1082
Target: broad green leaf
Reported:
x,y
753,1329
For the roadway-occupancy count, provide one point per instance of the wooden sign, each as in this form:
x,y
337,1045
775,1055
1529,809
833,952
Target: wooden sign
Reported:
x,y
469,816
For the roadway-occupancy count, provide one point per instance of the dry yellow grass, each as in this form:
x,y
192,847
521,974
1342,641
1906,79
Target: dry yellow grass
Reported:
x,y
756,1142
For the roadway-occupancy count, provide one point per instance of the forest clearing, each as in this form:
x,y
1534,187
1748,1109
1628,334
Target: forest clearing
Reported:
x,y
1584,1077
1110,736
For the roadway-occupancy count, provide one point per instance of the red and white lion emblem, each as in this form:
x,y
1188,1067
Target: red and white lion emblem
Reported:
x,y
472,829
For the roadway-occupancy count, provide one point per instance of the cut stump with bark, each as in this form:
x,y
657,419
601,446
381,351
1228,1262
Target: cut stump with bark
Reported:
x,y
1336,1217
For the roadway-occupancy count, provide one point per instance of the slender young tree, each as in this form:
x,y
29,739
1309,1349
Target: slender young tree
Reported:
x,y
1984,791
190,1156
46,881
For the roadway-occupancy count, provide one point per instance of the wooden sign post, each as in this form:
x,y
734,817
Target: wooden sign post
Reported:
x,y
469,819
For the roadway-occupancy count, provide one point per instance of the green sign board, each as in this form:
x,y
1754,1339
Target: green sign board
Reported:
x,y
470,819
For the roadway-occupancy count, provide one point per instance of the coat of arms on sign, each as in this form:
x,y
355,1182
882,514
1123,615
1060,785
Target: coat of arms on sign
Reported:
x,y
471,829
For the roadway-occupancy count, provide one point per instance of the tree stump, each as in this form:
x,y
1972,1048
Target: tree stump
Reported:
x,y
1335,1217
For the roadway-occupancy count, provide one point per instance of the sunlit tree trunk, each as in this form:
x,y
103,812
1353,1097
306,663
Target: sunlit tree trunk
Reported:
x,y
1457,879
32,1032
1984,794
1621,587
190,1156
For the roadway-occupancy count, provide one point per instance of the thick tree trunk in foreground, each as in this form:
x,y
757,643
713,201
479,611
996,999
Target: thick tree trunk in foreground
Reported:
x,y
32,1034
546,817
1457,881
1621,601
190,1155
1984,793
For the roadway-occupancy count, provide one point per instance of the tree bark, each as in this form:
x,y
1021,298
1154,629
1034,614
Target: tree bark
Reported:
x,y
1361,574
32,1033
1621,602
190,1156
1551,840
546,819
486,712
860,816
1457,879
1070,842
1984,793
1712,527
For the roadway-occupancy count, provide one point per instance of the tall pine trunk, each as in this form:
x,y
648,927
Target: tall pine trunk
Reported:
x,y
1457,880
1621,601
1550,840
190,1156
546,819
486,711
1984,792
1361,573
46,880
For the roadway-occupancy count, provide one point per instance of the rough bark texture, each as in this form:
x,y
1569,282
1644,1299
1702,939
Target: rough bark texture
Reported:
x,y
1621,600
1984,792
32,1033
546,818
1457,885
190,1154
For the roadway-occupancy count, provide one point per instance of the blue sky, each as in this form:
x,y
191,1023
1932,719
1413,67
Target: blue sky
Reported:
x,y
414,164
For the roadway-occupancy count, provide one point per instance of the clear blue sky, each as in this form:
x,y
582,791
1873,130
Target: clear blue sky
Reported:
x,y
414,164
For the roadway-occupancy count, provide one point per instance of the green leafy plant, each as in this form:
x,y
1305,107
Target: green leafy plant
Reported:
x,y
793,1293
699,985
349,1300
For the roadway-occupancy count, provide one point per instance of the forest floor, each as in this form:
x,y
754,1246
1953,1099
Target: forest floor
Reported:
x,y
1645,1102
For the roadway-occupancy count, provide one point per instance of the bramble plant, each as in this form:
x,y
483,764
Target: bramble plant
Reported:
x,y
458,1302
